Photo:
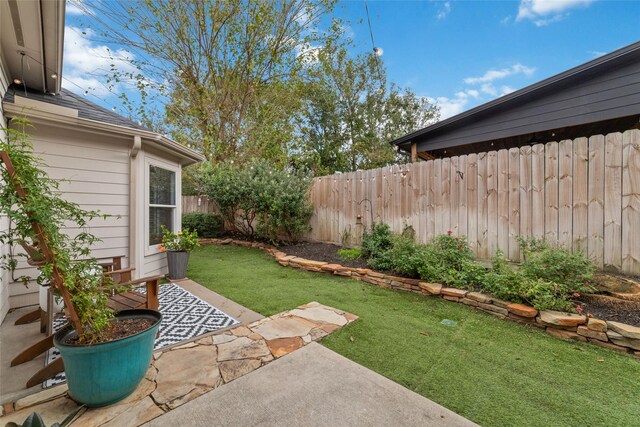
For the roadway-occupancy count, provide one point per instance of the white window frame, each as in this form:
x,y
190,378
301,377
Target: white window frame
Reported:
x,y
153,249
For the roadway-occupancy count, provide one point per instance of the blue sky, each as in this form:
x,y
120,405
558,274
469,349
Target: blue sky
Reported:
x,y
459,54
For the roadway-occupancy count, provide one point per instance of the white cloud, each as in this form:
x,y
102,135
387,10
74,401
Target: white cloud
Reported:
x,y
444,10
87,64
505,20
308,52
545,12
449,106
489,89
492,75
78,8
505,90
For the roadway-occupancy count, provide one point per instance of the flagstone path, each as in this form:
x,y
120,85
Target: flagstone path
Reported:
x,y
180,374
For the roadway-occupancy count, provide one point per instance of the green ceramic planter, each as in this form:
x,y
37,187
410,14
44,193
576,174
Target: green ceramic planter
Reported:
x,y
102,374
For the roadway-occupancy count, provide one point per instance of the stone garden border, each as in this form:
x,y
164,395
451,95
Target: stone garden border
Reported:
x,y
616,336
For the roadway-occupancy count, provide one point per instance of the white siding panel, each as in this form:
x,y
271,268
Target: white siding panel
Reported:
x,y
4,222
95,170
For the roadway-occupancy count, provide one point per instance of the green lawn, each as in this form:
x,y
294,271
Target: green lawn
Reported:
x,y
491,371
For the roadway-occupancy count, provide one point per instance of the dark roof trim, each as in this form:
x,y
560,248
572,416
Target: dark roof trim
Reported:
x,y
605,59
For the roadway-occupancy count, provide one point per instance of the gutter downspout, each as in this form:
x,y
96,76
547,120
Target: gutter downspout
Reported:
x,y
134,243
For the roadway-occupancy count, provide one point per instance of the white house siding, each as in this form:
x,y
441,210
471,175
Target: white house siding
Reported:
x,y
4,221
94,172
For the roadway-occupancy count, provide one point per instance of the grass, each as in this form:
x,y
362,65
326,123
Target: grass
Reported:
x,y
494,372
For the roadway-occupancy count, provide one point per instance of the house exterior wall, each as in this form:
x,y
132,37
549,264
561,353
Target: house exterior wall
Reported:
x,y
94,170
4,222
596,97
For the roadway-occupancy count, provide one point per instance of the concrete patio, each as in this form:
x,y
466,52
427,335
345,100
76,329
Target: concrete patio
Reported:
x,y
265,371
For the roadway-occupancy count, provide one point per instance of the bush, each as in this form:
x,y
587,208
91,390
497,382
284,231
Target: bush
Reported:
x,y
448,259
571,270
349,254
258,199
376,241
531,285
404,257
206,224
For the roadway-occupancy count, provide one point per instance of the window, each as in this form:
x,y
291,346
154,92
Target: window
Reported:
x,y
162,202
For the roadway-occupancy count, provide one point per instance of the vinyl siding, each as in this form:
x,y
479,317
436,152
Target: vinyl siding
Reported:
x,y
95,174
603,96
4,222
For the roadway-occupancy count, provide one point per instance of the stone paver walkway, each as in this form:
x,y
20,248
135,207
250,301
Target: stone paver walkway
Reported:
x,y
179,375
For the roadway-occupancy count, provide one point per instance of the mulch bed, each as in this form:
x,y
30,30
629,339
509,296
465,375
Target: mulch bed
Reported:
x,y
599,306
610,308
322,252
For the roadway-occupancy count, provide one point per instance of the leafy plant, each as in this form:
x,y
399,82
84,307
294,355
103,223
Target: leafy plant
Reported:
x,y
259,199
349,254
404,257
376,241
206,224
181,241
77,276
448,259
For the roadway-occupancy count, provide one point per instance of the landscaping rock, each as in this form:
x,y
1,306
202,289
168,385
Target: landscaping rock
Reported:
x,y
432,288
242,348
477,296
453,292
223,338
625,330
522,319
320,314
597,325
375,274
232,369
40,397
281,346
284,327
522,310
609,345
565,335
558,318
182,371
500,303
589,333
470,302
494,309
626,342
331,267
346,272
450,298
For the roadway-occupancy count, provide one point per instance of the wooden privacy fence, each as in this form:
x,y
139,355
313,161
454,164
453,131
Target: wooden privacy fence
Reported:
x,y
198,204
582,194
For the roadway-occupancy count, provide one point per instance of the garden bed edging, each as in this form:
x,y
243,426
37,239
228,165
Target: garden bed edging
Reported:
x,y
568,326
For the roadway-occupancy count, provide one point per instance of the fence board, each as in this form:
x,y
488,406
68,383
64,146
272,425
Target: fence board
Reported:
x,y
613,202
596,200
525,191
471,178
631,202
565,194
454,201
437,194
503,202
514,203
431,202
483,206
580,193
446,195
492,203
461,181
537,191
551,192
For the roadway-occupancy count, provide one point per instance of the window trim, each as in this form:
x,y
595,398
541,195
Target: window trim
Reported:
x,y
153,249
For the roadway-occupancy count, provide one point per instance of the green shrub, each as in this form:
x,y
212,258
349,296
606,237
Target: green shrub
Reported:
x,y
573,271
448,259
404,257
206,224
376,241
349,254
521,285
259,199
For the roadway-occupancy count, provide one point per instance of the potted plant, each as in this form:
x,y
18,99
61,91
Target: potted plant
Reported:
x,y
105,354
177,246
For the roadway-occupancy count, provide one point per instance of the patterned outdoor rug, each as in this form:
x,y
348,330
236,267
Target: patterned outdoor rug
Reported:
x,y
184,316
